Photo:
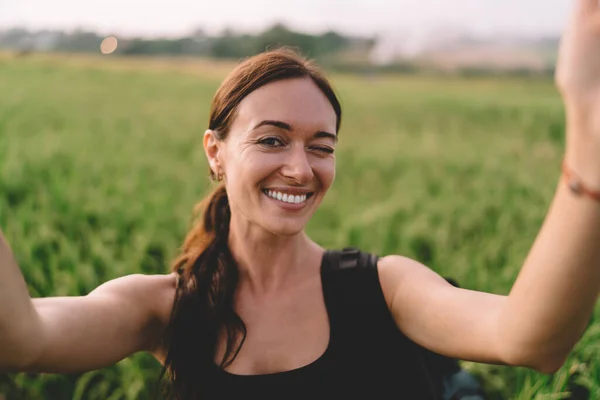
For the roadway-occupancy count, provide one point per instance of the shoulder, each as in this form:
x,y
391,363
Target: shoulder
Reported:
x,y
391,270
152,295
364,275
397,267
399,274
139,287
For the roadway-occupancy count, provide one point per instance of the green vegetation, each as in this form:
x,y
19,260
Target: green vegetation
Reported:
x,y
100,168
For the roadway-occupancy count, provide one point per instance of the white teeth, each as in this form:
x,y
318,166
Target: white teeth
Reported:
x,y
297,199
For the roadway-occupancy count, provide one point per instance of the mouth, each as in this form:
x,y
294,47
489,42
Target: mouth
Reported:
x,y
295,197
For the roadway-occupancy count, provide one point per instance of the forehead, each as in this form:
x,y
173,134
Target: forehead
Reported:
x,y
298,102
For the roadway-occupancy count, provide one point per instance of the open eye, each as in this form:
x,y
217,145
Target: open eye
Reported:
x,y
271,142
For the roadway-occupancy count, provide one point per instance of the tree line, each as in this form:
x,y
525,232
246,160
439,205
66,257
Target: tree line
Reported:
x,y
228,44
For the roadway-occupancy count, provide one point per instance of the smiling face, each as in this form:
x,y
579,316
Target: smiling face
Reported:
x,y
278,158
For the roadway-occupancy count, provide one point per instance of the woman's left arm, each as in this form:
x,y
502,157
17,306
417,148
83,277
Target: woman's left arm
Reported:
x,y
552,300
554,296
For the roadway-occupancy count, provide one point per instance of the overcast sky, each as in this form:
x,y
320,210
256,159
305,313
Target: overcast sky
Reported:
x,y
178,17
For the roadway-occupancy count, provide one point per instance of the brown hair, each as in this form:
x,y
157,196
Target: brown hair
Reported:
x,y
208,273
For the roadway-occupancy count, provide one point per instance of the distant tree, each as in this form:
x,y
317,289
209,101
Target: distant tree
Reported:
x,y
233,45
330,42
79,41
279,35
228,44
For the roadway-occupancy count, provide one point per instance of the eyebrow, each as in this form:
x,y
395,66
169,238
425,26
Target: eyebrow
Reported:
x,y
288,127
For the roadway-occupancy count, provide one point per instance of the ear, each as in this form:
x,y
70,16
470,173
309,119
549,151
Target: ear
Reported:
x,y
212,149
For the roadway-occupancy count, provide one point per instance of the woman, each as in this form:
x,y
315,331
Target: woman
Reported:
x,y
255,307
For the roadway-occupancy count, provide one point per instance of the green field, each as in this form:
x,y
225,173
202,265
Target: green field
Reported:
x,y
101,162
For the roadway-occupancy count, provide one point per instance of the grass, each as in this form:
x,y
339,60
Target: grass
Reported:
x,y
101,163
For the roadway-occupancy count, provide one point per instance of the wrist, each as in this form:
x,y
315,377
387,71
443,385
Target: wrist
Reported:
x,y
577,168
576,185
582,152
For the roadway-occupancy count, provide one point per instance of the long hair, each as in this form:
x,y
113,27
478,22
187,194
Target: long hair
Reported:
x,y
208,273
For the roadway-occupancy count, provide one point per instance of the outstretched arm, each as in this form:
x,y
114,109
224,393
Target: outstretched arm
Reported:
x,y
553,298
551,302
77,334
16,311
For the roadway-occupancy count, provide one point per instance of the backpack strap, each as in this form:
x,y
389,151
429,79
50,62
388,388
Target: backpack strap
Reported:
x,y
350,258
445,378
350,261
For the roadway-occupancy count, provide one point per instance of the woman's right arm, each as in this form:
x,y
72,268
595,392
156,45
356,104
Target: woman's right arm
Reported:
x,y
77,334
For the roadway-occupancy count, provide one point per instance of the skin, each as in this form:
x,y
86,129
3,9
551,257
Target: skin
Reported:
x,y
536,325
282,304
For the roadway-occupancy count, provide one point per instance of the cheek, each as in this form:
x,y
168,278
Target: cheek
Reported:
x,y
324,169
248,170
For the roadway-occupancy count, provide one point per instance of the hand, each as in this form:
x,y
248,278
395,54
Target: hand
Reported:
x,y
578,80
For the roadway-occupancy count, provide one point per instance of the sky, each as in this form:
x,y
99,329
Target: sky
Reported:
x,y
174,18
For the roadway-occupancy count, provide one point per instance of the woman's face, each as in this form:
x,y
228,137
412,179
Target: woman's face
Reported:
x,y
277,159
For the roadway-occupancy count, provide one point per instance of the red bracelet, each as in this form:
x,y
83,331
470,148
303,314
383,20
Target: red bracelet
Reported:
x,y
575,184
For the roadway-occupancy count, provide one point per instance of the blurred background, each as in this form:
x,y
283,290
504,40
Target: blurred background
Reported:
x,y
468,35
449,150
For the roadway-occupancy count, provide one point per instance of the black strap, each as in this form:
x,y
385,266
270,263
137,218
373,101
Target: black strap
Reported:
x,y
350,258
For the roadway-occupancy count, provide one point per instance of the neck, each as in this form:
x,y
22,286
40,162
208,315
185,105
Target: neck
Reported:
x,y
268,262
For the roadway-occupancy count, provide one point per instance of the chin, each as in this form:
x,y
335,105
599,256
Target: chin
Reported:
x,y
281,227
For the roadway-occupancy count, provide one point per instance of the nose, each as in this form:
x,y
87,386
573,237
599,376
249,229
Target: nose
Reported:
x,y
297,166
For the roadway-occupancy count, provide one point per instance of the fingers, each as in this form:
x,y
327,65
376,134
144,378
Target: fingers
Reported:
x,y
586,7
586,15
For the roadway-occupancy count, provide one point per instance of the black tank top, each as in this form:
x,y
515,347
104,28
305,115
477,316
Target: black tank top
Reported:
x,y
367,356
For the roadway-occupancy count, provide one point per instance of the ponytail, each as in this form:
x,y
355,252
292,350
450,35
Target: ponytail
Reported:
x,y
203,304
